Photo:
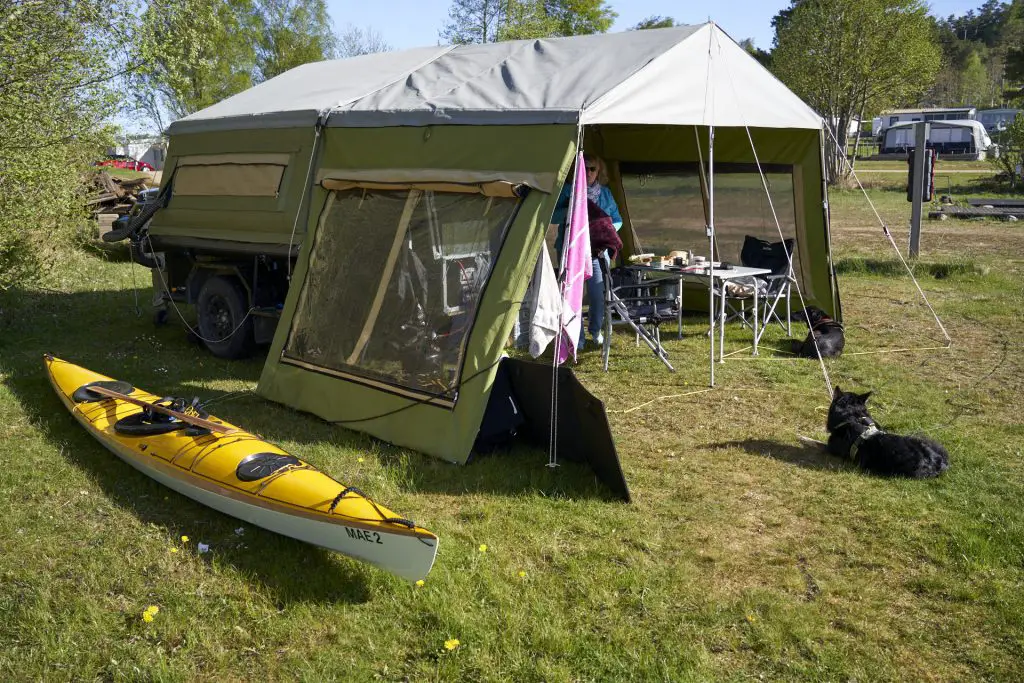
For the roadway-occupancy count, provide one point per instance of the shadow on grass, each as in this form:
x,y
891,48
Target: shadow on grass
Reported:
x,y
894,267
802,455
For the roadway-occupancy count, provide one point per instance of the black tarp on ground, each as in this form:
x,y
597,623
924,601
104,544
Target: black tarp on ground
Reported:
x,y
520,404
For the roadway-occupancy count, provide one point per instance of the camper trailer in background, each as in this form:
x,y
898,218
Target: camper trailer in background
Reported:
x,y
996,120
952,140
891,118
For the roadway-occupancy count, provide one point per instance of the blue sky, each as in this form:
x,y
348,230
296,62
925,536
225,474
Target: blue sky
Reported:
x,y
412,23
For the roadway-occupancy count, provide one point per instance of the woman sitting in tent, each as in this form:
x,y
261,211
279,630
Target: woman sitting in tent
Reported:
x,y
599,194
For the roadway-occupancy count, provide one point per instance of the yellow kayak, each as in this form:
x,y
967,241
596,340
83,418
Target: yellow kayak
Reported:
x,y
239,474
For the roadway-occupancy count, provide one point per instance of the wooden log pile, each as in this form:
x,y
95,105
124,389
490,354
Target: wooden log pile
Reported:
x,y
113,197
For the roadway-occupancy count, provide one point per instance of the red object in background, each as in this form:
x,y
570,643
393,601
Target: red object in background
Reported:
x,y
125,162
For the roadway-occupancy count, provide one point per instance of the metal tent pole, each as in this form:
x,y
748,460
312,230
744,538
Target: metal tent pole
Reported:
x,y
711,246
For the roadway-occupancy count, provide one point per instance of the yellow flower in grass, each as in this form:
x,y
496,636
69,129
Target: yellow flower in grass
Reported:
x,y
751,618
184,539
174,550
150,613
522,574
483,547
147,617
419,584
360,459
451,644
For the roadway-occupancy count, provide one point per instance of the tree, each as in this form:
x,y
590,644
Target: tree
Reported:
x,y
579,17
845,59
1011,151
764,58
294,32
355,41
58,62
195,53
654,21
474,21
488,21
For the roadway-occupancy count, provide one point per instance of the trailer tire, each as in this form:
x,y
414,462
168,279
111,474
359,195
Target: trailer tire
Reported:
x,y
224,321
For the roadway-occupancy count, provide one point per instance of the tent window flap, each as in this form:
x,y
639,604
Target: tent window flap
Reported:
x,y
393,284
230,175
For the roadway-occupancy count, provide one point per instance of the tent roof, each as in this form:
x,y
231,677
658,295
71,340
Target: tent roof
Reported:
x,y
686,75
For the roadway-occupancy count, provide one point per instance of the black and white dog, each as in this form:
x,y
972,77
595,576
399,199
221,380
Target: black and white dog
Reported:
x,y
827,332
853,434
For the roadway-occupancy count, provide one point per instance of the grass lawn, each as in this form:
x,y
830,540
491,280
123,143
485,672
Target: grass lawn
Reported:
x,y
744,555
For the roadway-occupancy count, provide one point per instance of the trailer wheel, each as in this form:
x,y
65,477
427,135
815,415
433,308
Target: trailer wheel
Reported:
x,y
224,321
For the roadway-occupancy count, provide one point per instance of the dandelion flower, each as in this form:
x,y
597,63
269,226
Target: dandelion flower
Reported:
x,y
751,618
174,550
451,644
419,584
184,539
483,547
153,609
360,459
147,617
522,574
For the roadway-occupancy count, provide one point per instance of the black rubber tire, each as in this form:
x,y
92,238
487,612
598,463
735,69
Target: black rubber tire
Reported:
x,y
221,307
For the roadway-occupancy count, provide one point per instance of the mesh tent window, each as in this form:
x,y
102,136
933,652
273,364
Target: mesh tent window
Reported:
x,y
394,281
667,206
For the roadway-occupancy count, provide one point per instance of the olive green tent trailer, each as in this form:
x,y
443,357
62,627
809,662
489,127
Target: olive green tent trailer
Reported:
x,y
416,189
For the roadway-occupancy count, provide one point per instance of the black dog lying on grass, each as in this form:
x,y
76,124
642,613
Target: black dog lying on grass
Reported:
x,y
853,434
827,332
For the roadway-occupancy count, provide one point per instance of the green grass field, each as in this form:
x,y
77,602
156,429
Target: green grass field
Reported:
x,y
743,556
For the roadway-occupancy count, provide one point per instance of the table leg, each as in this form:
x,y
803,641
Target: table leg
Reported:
x,y
721,323
756,297
679,306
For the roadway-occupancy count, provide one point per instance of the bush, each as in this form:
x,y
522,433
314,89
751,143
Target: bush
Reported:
x,y
1011,151
56,63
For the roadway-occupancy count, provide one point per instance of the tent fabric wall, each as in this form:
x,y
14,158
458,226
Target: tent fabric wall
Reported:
x,y
262,220
446,433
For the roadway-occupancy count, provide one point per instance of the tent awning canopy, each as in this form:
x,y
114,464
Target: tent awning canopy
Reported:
x,y
686,75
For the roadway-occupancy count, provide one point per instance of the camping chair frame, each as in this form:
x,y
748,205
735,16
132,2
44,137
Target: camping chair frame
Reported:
x,y
618,305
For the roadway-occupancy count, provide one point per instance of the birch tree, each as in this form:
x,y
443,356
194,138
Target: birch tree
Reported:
x,y
846,59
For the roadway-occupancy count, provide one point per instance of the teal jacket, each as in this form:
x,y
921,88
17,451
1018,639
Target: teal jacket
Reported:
x,y
605,200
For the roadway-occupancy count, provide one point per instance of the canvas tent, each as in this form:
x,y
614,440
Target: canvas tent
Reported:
x,y
420,185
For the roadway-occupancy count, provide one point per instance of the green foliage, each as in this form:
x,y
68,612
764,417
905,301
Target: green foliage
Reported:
x,y
845,58
57,62
474,21
194,53
654,21
1011,151
294,32
992,35
488,21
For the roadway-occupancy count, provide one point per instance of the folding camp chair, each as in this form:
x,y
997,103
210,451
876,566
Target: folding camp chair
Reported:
x,y
774,288
631,301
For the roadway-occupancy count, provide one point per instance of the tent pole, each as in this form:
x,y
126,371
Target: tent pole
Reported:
x,y
711,247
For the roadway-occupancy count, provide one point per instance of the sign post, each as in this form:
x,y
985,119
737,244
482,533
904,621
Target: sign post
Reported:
x,y
917,180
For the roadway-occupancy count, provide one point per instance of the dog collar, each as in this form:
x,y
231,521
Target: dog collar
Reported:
x,y
871,431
